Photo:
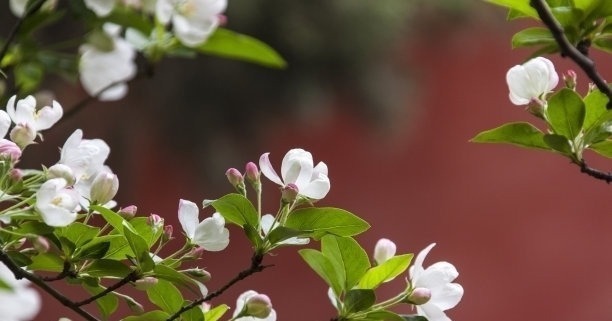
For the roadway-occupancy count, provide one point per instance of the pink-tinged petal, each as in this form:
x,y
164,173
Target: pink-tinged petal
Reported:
x,y
417,267
447,297
268,170
188,213
48,116
432,312
316,189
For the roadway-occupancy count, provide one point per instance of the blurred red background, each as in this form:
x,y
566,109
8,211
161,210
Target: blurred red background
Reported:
x,y
526,230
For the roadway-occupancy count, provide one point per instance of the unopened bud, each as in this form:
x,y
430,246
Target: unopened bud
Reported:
x,y
289,193
195,253
61,171
9,150
419,296
259,306
16,175
135,307
41,244
251,172
155,221
384,250
145,283
23,135
128,212
167,235
570,79
104,187
234,177
200,274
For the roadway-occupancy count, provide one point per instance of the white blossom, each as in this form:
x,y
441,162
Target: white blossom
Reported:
x,y
193,21
28,119
104,73
297,168
384,250
245,298
57,204
85,157
210,234
531,80
5,123
20,302
437,278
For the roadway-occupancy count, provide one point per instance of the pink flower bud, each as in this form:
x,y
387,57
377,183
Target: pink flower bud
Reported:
x,y
145,283
128,212
289,193
234,177
259,306
195,253
168,229
570,79
419,296
61,171
23,135
16,175
251,172
104,187
9,150
41,244
384,250
155,221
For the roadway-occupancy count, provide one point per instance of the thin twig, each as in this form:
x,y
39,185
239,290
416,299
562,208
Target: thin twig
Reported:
x,y
66,272
30,10
569,50
255,267
595,173
22,274
133,276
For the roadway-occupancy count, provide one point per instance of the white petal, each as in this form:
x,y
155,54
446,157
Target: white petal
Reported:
x,y
48,116
163,11
417,267
5,123
101,7
188,213
297,168
10,107
432,312
266,223
268,170
446,297
211,235
438,274
317,189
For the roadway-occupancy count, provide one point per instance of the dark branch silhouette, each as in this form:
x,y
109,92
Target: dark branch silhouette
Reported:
x,y
35,6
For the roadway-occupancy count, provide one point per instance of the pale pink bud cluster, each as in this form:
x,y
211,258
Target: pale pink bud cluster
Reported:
x,y
9,150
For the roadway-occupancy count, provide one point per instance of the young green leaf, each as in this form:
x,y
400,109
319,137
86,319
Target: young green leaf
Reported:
x,y
216,313
323,267
107,268
536,36
78,233
521,6
107,304
358,300
47,262
566,113
385,272
149,316
140,249
347,257
236,209
319,221
520,134
603,148
559,143
195,314
166,296
91,252
232,45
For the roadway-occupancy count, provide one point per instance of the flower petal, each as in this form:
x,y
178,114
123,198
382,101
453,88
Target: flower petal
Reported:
x,y
436,275
446,297
268,170
211,234
317,189
188,213
417,267
432,312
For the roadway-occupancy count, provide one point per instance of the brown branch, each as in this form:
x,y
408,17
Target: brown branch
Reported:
x,y
133,276
571,51
66,272
255,267
595,173
22,274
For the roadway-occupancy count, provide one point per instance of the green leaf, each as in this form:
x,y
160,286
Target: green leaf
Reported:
x,y
33,227
78,233
281,233
228,44
112,218
119,247
149,316
143,228
521,6
566,113
536,36
603,148
347,257
19,258
413,317
89,252
195,314
559,143
520,134
236,209
140,249
385,272
595,106
28,76
323,267
107,304
177,278
385,316
358,300
216,313
47,262
319,221
107,268
166,296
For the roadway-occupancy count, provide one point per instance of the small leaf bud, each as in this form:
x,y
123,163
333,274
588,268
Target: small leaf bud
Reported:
x,y
419,296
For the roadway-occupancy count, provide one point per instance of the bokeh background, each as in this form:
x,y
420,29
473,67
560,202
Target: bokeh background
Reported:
x,y
388,94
